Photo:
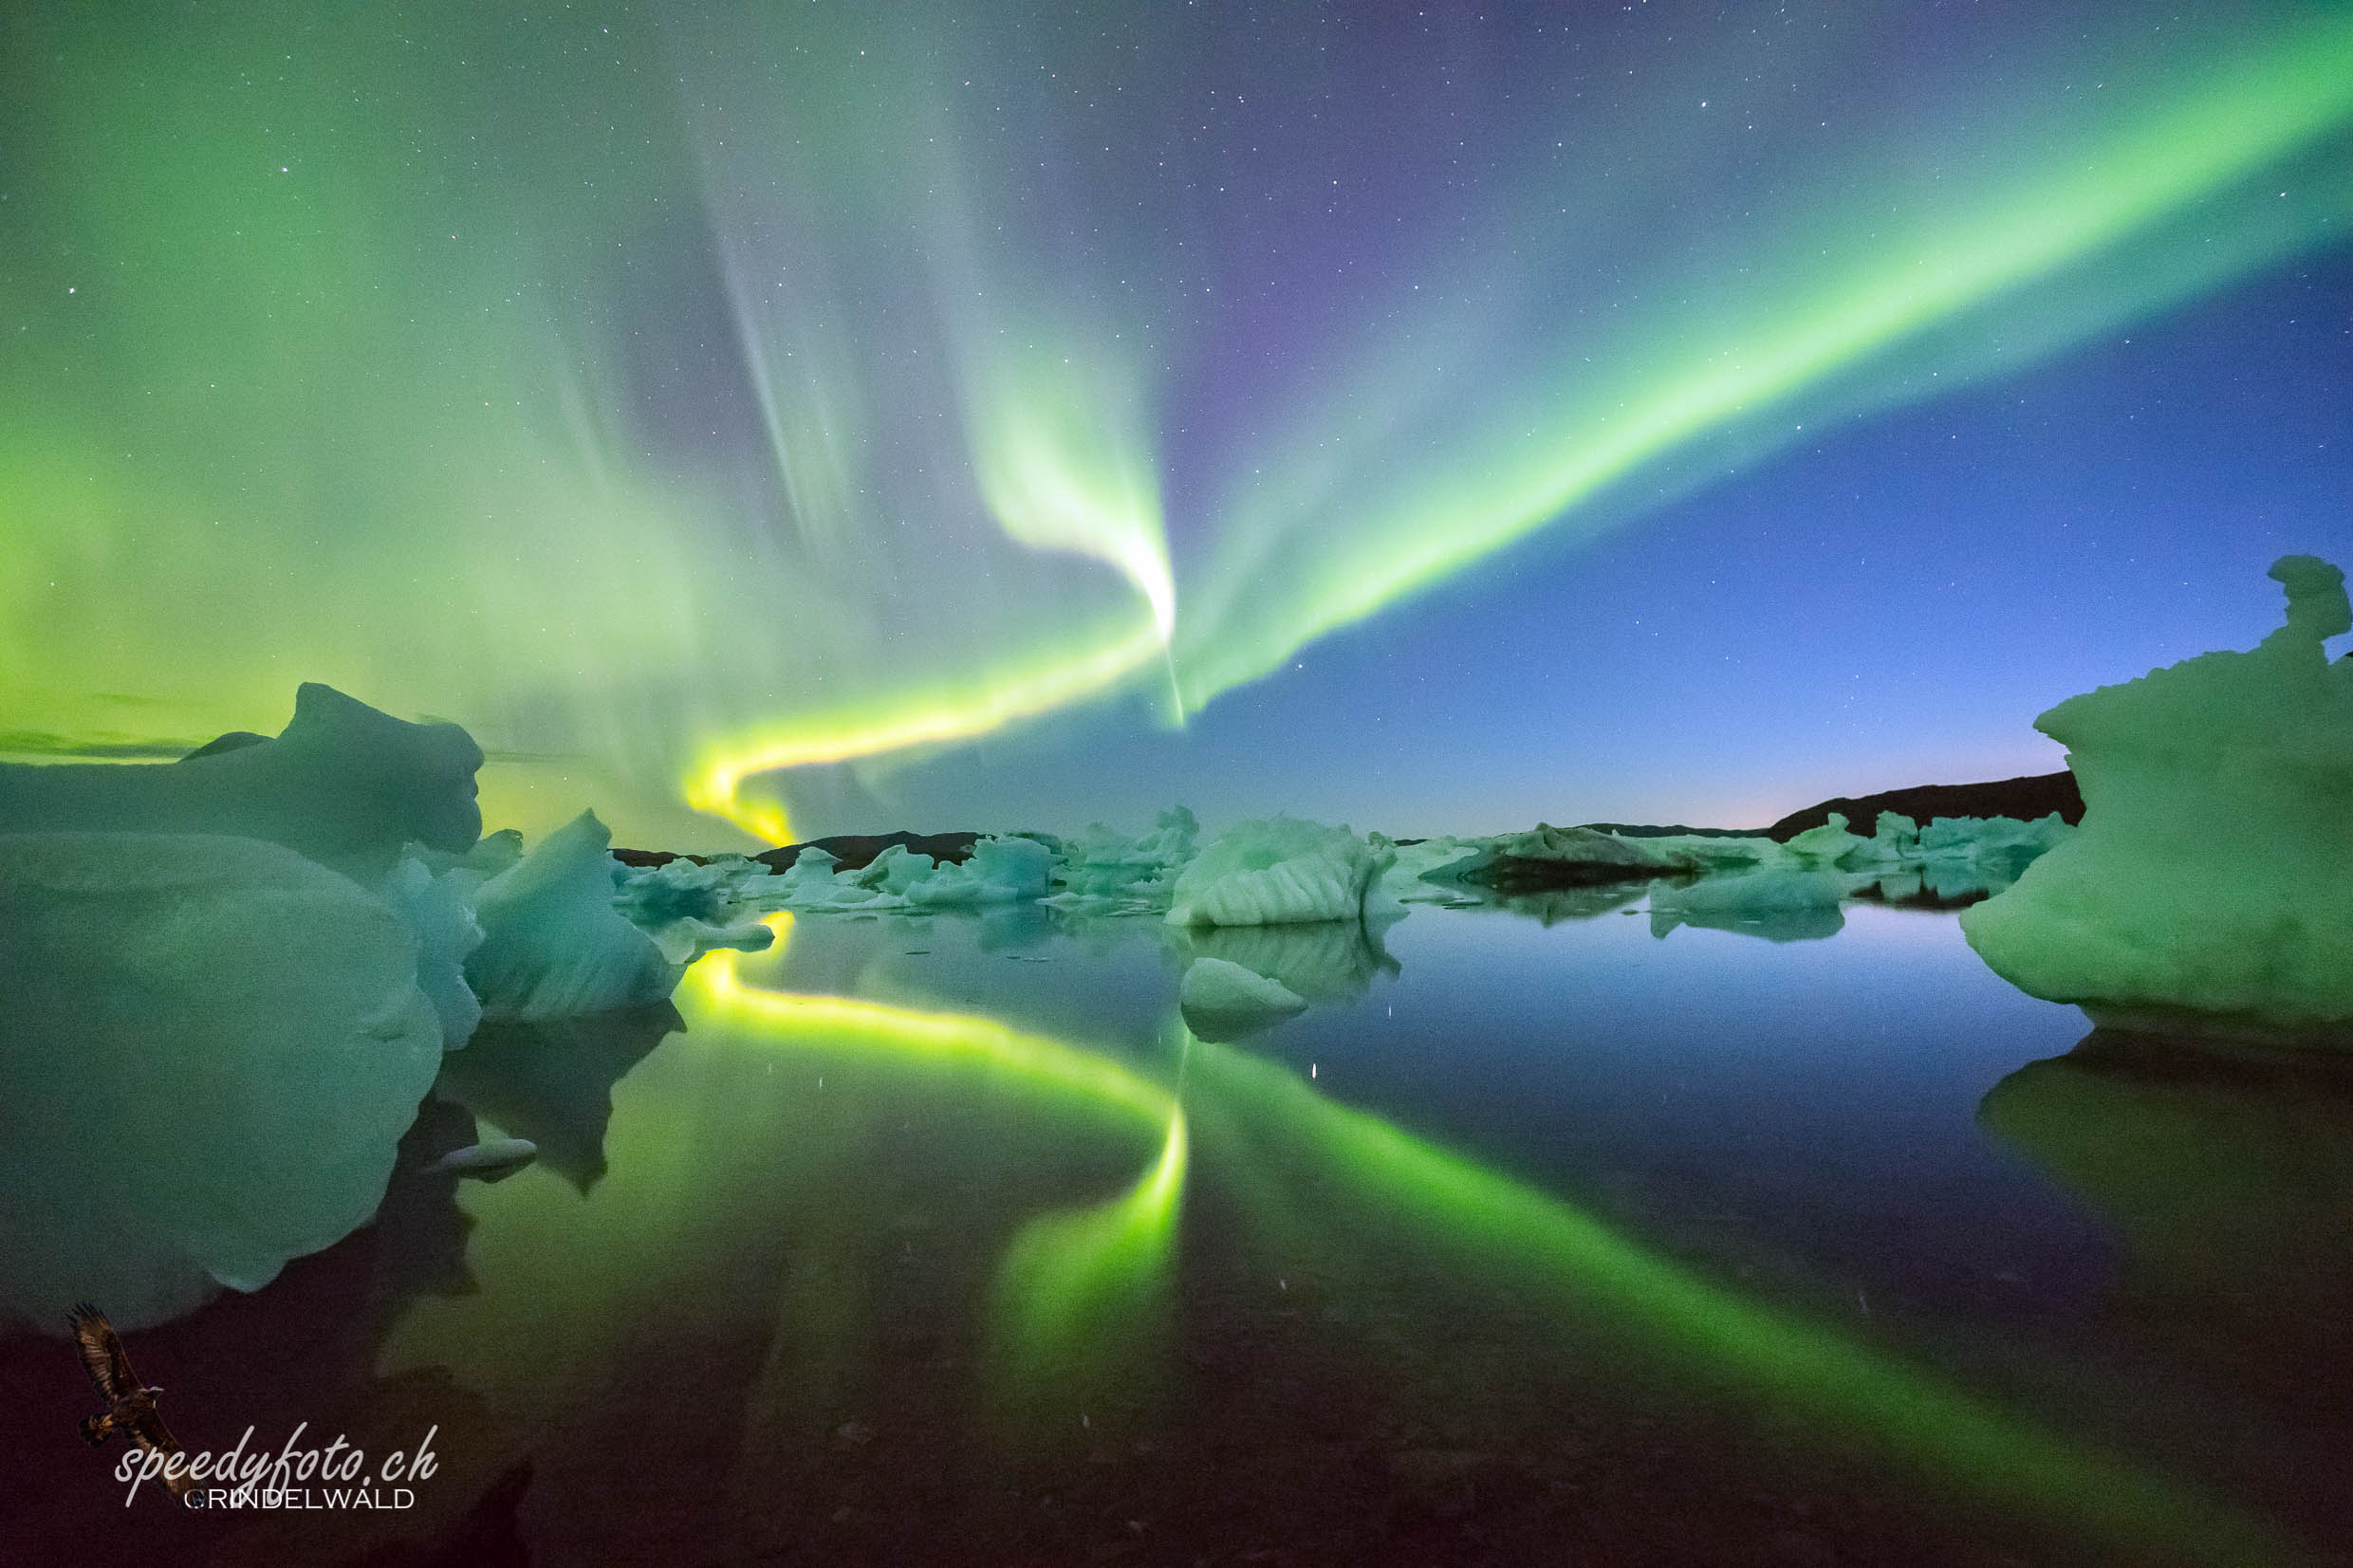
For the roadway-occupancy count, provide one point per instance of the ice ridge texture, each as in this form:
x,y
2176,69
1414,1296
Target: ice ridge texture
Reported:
x,y
1278,872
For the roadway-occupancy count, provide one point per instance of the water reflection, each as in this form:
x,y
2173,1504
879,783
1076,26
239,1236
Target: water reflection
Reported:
x,y
867,1277
1551,907
1079,1297
2227,1173
1320,961
551,1080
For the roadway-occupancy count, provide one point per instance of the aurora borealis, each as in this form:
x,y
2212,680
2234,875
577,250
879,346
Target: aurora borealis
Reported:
x,y
1025,414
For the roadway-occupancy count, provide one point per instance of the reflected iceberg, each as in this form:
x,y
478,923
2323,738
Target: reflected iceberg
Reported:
x,y
550,1080
1222,1001
1325,961
2227,1173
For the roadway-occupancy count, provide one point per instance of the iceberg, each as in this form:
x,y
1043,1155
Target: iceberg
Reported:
x,y
2210,885
1101,872
1827,845
1781,905
439,915
344,785
1421,871
690,908
1278,872
552,943
813,883
816,881
1000,871
211,1050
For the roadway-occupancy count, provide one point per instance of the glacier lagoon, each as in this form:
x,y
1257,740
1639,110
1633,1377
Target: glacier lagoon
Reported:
x,y
941,1238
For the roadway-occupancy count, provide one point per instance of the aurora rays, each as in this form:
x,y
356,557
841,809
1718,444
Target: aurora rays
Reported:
x,y
682,396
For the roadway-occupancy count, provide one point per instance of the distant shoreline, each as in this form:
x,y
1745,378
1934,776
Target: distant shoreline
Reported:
x,y
2025,798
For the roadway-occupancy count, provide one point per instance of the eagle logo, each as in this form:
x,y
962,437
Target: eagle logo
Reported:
x,y
130,1404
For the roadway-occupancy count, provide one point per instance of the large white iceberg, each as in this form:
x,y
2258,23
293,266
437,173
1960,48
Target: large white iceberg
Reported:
x,y
1278,872
210,1048
2211,882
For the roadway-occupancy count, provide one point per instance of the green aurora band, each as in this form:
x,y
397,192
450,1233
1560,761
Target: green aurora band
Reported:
x,y
674,396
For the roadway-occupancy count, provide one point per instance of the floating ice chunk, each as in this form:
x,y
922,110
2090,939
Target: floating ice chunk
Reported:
x,y
1550,857
894,871
1419,872
494,1159
2210,881
690,909
651,896
209,1049
1781,906
552,943
1000,871
1140,873
1585,846
1223,1000
436,914
1896,837
809,881
1826,845
344,785
685,939
1277,872
1714,852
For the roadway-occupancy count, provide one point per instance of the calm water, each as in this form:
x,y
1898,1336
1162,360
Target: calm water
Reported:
x,y
942,1240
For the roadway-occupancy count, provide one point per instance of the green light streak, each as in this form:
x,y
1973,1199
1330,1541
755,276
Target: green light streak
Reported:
x,y
1350,537
1063,465
1080,1290
932,713
1080,1301
1505,1230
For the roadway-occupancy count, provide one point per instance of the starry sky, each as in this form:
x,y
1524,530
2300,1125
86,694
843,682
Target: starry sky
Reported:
x,y
817,417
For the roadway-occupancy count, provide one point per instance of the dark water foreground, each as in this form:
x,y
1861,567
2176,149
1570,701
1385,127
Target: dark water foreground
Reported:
x,y
942,1241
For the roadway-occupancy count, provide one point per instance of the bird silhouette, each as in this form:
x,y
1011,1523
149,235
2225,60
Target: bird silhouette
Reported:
x,y
130,1404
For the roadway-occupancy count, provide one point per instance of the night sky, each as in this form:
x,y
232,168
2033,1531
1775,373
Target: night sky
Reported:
x,y
1013,415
